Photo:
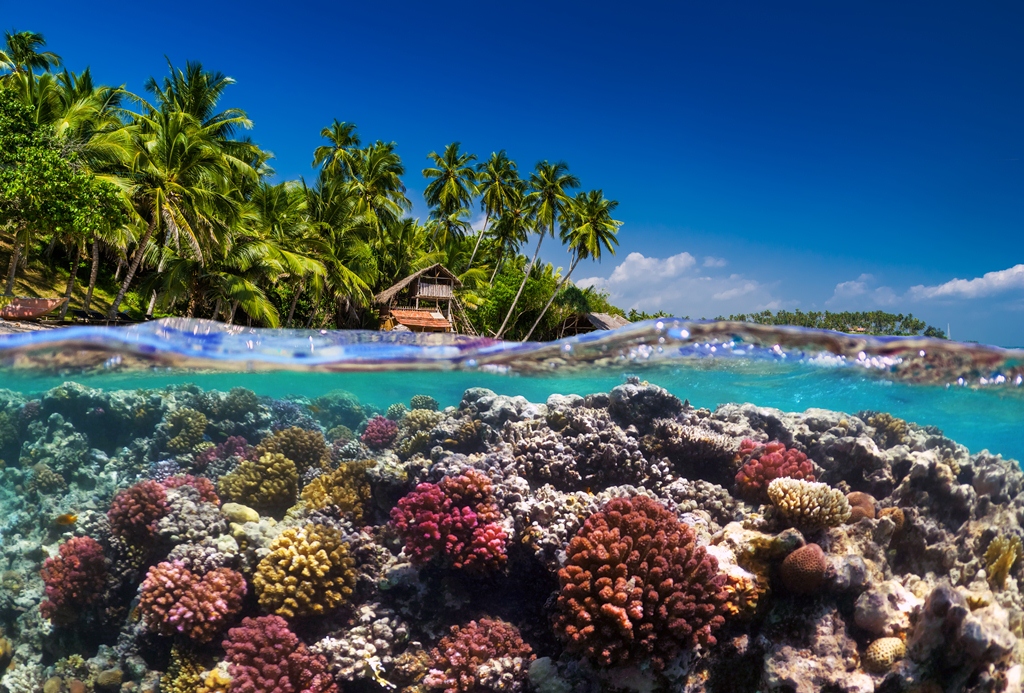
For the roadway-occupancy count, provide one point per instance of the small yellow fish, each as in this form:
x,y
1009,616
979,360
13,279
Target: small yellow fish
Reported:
x,y
65,520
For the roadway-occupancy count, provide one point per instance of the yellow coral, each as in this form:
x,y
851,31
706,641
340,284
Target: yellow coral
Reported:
x,y
269,484
743,596
185,428
883,653
809,504
184,674
889,431
306,448
1000,557
307,572
346,487
215,681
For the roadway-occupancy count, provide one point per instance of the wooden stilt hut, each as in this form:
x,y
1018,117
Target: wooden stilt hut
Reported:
x,y
424,301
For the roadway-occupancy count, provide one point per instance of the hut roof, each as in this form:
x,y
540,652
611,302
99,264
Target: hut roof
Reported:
x,y
605,321
419,317
387,294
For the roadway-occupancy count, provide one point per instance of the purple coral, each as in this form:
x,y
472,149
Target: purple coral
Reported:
x,y
174,600
264,656
456,519
135,511
74,579
380,433
234,446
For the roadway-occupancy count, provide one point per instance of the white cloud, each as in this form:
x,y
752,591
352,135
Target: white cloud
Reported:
x,y
676,284
711,261
980,287
861,293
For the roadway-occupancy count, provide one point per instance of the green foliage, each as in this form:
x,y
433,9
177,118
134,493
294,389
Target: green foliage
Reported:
x,y
635,315
874,322
499,299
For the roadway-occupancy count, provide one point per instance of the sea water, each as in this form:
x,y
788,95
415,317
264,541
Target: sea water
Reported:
x,y
148,528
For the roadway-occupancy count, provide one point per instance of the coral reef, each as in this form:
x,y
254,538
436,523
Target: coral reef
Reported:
x,y
174,600
346,488
307,449
265,656
488,655
135,511
74,579
766,463
307,572
380,433
809,504
637,586
803,571
268,484
185,428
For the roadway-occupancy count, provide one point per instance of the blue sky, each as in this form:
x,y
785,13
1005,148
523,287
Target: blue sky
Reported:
x,y
809,155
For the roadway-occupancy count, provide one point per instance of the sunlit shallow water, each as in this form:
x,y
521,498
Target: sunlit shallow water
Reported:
x,y
92,413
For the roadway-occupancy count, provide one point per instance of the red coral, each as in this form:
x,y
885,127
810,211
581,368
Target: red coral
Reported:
x,y
264,656
380,433
489,655
207,491
174,600
637,586
764,464
456,519
74,579
135,511
234,446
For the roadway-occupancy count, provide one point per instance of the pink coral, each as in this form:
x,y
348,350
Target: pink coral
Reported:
x,y
135,511
380,433
456,519
489,655
264,656
637,587
207,491
764,464
74,579
234,446
174,600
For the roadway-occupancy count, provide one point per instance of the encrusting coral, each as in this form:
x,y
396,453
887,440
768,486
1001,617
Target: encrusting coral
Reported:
x,y
307,572
456,520
269,484
637,586
173,600
74,579
764,464
809,504
488,655
346,488
185,428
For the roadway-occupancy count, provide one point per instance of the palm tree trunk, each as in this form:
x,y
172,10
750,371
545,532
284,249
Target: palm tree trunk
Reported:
x,y
561,283
71,281
136,261
120,266
12,268
152,304
93,274
216,308
479,237
231,315
519,293
497,265
295,301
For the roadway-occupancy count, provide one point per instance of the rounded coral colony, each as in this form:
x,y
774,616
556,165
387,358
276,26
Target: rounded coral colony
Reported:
x,y
135,511
380,433
488,655
175,601
637,587
265,656
74,579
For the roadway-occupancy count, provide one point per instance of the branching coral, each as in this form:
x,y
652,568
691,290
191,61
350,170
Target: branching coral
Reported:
x,y
889,431
423,402
456,520
45,481
380,433
184,674
346,487
238,402
175,601
74,579
485,656
396,412
636,586
204,486
234,446
185,428
264,656
764,464
696,451
809,504
307,572
268,484
1001,556
135,511
307,449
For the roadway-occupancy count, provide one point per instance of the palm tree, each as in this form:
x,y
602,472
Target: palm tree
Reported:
x,y
496,182
377,186
513,227
588,230
338,157
21,54
548,185
451,188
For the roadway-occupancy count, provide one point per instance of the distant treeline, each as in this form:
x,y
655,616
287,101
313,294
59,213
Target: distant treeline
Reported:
x,y
875,322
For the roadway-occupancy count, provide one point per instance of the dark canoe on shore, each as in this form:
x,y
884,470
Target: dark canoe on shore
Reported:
x,y
18,308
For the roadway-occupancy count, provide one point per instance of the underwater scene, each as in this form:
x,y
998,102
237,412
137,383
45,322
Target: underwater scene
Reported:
x,y
673,506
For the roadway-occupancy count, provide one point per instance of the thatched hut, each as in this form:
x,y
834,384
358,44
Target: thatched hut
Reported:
x,y
581,323
424,301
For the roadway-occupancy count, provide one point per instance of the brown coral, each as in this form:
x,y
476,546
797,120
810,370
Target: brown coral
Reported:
x,y
307,449
268,484
485,656
896,515
636,586
1001,556
883,653
185,428
889,431
307,572
861,505
803,570
346,487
